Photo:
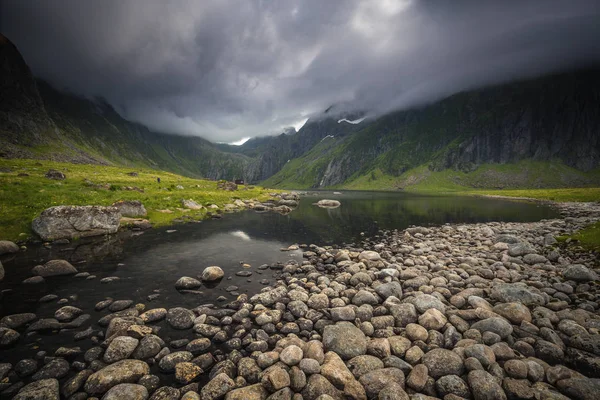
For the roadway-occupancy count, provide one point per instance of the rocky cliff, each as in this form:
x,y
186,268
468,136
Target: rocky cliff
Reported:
x,y
23,118
552,119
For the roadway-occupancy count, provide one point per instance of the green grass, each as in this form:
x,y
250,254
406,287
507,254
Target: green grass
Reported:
x,y
527,178
589,237
22,198
561,195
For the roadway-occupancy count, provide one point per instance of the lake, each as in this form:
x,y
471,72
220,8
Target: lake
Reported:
x,y
150,262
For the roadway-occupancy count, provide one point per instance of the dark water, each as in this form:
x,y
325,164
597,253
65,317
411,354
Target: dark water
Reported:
x,y
152,261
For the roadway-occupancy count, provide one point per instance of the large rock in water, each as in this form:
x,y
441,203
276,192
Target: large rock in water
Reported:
x,y
211,274
7,247
54,268
328,203
69,222
131,208
344,339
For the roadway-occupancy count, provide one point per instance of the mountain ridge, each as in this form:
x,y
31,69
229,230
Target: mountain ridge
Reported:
x,y
546,120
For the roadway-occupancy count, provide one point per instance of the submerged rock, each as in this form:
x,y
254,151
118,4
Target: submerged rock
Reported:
x,y
54,268
211,274
326,203
8,247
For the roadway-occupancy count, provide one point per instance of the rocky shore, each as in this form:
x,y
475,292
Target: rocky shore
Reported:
x,y
479,311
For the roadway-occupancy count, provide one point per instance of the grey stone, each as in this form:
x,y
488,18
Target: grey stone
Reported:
x,y
389,289
16,321
211,274
217,387
375,381
67,313
424,302
318,385
54,268
520,249
44,389
169,361
579,273
344,339
441,362
180,318
452,384
8,247
291,355
252,392
8,336
69,222
509,292
484,386
497,325
124,371
128,391
57,368
361,365
120,348
130,208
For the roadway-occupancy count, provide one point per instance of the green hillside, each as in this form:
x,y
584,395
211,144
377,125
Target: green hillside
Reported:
x,y
25,192
534,134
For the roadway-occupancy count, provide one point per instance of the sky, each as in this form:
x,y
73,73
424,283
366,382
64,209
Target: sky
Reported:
x,y
232,69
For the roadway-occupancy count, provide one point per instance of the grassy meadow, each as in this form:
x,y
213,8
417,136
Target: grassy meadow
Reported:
x,y
25,192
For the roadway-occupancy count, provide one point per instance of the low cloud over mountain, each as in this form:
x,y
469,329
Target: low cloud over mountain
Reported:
x,y
231,69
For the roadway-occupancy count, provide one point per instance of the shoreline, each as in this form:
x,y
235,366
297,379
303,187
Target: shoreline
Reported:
x,y
433,311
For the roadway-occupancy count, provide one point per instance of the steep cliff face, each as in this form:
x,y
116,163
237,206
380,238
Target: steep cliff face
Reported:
x,y
271,153
23,118
553,119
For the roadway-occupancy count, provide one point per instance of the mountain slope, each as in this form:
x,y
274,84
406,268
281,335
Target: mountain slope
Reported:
x,y
23,118
550,120
271,153
99,130
38,121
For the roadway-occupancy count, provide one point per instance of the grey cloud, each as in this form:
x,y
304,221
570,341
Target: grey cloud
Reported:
x,y
231,69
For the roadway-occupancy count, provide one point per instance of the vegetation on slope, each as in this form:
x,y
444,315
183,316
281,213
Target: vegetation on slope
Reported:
x,y
559,195
301,173
588,238
25,192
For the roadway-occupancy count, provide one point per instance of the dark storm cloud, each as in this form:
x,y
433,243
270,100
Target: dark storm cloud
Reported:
x,y
229,69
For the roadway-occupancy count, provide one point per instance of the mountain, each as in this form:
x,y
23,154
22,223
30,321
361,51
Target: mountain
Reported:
x,y
23,118
547,122
543,132
38,121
